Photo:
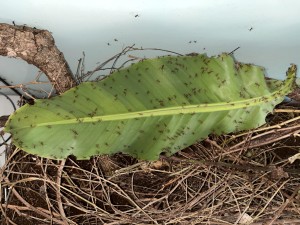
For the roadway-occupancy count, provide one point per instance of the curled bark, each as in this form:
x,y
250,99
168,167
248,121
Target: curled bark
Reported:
x,y
37,47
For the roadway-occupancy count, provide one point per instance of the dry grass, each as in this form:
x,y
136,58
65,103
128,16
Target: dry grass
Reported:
x,y
221,180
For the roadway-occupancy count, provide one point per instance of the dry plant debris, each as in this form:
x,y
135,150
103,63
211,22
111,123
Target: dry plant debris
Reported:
x,y
243,178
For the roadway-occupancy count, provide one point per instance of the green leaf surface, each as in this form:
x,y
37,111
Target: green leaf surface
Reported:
x,y
156,105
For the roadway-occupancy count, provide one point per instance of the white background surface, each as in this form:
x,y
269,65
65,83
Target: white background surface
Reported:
x,y
217,26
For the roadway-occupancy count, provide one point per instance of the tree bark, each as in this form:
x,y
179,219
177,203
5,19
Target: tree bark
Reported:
x,y
37,47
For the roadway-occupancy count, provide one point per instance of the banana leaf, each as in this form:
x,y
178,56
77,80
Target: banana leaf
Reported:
x,y
157,105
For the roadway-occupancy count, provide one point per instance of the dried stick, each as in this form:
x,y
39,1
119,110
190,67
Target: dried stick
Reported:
x,y
46,215
37,47
58,194
288,201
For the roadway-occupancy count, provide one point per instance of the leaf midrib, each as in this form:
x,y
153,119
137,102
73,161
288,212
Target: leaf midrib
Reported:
x,y
189,109
176,110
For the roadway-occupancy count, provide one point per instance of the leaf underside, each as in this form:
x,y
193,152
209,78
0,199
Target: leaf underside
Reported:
x,y
157,105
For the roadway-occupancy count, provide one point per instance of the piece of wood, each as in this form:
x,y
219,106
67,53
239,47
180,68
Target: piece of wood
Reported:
x,y
37,47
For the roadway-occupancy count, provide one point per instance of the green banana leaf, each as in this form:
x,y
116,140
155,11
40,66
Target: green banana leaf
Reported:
x,y
156,105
